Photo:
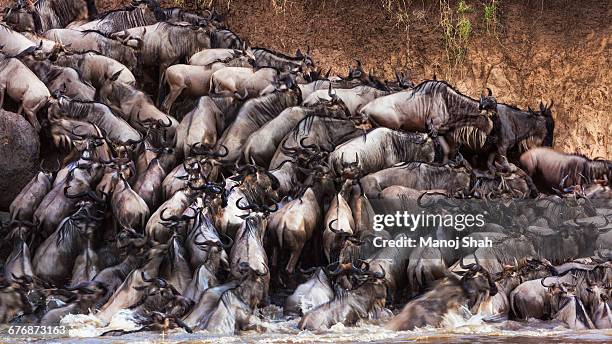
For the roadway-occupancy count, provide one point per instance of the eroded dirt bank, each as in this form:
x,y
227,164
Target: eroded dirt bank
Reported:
x,y
539,50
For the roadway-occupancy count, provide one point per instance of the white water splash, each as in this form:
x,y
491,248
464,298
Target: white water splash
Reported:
x,y
88,325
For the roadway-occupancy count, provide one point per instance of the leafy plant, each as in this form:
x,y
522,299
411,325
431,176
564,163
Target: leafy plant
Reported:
x,y
490,15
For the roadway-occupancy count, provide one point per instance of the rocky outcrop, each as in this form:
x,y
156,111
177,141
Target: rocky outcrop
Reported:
x,y
19,155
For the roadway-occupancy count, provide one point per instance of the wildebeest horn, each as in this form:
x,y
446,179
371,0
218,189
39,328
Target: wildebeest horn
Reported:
x,y
311,146
335,230
144,277
544,285
467,267
248,207
275,181
490,94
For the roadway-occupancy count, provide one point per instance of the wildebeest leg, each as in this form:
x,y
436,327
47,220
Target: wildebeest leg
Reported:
x,y
31,117
171,98
449,149
295,256
2,88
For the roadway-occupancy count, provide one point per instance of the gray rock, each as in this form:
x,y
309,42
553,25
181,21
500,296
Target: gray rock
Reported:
x,y
19,155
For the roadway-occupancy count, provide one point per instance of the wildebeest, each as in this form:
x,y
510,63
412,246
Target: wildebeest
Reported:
x,y
382,148
86,41
23,206
420,176
48,14
434,107
24,87
451,292
134,105
138,13
244,82
310,294
552,170
268,58
360,303
96,68
13,42
252,116
116,129
262,144
64,80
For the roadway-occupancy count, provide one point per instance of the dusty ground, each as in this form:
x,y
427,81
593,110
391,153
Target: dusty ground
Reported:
x,y
539,50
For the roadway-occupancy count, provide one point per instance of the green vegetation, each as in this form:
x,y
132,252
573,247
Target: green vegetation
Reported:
x,y
490,15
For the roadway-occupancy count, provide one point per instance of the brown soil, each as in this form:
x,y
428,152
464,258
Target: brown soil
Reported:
x,y
539,50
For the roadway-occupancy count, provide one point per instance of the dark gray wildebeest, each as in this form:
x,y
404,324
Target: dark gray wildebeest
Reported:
x,y
382,148
24,87
262,144
86,41
138,13
252,116
316,291
268,58
436,108
515,130
472,290
419,176
64,80
178,14
556,171
44,15
365,301
13,42
95,68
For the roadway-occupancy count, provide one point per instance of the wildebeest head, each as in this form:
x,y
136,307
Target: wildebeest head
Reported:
x,y
308,63
477,284
357,73
487,103
546,113
22,17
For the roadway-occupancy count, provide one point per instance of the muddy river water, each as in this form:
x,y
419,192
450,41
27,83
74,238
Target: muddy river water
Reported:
x,y
455,329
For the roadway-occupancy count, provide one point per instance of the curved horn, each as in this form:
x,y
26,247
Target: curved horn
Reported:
x,y
544,285
248,207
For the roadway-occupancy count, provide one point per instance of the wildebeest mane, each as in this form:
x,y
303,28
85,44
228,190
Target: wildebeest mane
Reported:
x,y
225,38
64,10
260,50
264,108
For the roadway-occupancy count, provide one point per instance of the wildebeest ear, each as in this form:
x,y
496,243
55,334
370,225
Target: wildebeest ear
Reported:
x,y
298,53
542,107
115,76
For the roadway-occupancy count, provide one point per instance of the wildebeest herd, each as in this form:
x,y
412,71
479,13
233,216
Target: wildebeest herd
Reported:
x,y
254,180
